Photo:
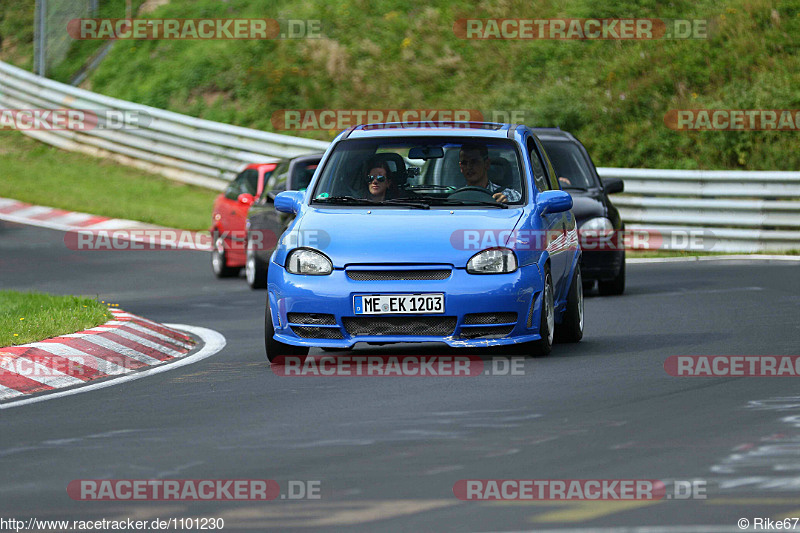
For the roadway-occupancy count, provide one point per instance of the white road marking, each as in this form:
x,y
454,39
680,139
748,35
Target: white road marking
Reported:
x,y
124,350
73,354
5,392
213,342
144,342
156,334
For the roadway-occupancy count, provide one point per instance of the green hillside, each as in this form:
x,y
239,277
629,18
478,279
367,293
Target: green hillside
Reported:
x,y
388,55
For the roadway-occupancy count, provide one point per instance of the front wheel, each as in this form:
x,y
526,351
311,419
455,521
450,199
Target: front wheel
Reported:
x,y
276,348
571,329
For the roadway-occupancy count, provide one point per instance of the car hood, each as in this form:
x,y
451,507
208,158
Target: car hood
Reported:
x,y
586,206
368,236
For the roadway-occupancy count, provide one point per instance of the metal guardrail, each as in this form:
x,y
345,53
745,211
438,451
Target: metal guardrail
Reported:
x,y
741,211
177,146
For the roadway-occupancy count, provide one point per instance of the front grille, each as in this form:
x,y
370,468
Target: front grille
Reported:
x,y
419,326
490,318
317,333
311,318
487,332
402,275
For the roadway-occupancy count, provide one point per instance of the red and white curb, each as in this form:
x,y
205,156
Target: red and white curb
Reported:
x,y
116,228
125,345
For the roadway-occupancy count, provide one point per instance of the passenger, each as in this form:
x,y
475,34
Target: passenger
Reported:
x,y
474,162
378,181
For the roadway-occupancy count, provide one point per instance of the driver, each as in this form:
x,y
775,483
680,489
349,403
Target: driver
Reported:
x,y
473,160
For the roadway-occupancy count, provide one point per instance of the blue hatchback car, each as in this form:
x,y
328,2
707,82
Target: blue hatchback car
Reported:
x,y
455,233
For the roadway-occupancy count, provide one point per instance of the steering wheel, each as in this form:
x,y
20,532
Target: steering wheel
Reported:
x,y
469,193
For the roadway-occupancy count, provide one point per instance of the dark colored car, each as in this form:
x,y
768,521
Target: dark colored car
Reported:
x,y
591,205
264,224
229,215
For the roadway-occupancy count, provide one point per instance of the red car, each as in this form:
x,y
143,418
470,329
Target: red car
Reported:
x,y
259,182
229,217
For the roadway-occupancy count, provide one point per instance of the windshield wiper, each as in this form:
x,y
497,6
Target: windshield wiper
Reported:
x,y
429,187
345,200
432,200
366,201
405,202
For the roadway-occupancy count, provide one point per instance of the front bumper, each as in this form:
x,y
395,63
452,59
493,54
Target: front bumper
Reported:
x,y
601,264
318,310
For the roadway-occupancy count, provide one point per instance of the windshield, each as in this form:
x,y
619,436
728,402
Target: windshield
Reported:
x,y
421,170
571,167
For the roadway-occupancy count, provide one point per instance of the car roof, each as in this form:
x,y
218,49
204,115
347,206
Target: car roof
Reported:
x,y
553,134
258,166
306,157
427,129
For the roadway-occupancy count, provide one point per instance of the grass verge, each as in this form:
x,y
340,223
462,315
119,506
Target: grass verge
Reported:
x,y
40,174
31,316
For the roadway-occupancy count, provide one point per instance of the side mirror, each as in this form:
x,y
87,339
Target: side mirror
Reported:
x,y
289,202
612,185
553,202
246,199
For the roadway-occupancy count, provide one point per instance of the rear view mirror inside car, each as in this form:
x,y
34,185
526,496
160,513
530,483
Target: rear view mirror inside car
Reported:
x,y
426,152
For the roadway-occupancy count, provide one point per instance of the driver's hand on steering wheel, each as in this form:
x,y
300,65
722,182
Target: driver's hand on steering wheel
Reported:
x,y
500,197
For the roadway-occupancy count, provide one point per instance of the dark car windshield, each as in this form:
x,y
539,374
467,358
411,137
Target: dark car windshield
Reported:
x,y
570,165
432,170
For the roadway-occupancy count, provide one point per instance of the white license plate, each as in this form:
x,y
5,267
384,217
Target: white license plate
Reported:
x,y
388,304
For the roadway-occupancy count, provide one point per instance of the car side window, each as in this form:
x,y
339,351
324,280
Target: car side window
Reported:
x,y
277,181
302,176
232,190
249,184
551,172
538,168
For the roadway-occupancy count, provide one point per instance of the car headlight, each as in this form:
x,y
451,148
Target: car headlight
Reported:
x,y
309,262
492,261
599,224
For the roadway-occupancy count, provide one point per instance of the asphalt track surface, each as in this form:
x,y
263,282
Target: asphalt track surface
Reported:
x,y
387,451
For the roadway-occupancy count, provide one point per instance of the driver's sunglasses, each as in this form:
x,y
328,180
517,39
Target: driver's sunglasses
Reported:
x,y
380,179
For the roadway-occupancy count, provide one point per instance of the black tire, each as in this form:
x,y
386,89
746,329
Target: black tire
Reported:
x,y
616,286
571,328
218,260
255,269
276,348
544,345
